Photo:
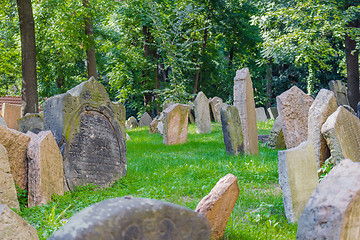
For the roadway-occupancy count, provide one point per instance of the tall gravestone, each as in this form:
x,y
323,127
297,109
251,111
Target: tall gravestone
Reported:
x,y
293,107
340,91
135,218
90,131
175,122
11,113
244,101
202,114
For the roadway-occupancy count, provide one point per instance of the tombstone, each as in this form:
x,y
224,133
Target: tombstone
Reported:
x,y
131,123
11,113
273,113
332,211
276,136
215,111
153,125
45,163
16,143
218,205
13,227
134,218
232,131
244,101
322,107
8,193
175,124
341,132
160,126
145,120
340,92
298,178
260,114
2,121
32,122
202,114
293,107
90,131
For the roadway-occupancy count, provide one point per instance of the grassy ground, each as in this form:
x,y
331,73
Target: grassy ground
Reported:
x,y
184,174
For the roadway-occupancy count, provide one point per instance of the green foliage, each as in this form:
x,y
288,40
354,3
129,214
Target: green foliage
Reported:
x,y
22,196
325,168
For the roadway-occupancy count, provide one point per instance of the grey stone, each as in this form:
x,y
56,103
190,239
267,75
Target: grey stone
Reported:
x,y
202,114
2,121
215,111
175,123
276,136
340,92
135,218
260,114
131,123
31,122
145,120
273,113
191,113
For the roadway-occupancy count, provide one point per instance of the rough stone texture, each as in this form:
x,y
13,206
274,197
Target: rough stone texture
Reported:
x,y
2,121
145,120
16,143
276,137
202,114
298,178
90,131
260,114
11,113
13,227
293,107
175,124
8,194
131,123
215,111
218,205
153,125
135,218
342,133
232,131
45,168
322,107
244,101
31,122
332,211
273,113
340,92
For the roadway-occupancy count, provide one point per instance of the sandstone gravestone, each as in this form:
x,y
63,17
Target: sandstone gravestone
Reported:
x,y
276,136
8,194
2,121
297,177
322,107
202,114
31,122
90,131
175,124
45,162
260,114
232,131
131,123
341,131
11,113
340,92
13,227
215,111
145,120
244,101
16,143
293,107
332,211
273,113
218,205
135,218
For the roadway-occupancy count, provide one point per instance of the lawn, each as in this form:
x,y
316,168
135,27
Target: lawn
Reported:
x,y
184,174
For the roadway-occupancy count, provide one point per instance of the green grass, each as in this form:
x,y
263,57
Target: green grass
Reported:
x,y
184,174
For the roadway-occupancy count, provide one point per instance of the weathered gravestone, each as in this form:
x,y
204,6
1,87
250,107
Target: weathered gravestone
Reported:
x,y
273,113
260,114
332,211
215,111
13,227
298,178
218,205
135,218
11,113
145,120
2,121
322,107
131,123
232,131
153,125
276,136
244,101
342,133
160,126
90,132
31,122
45,163
340,92
202,114
8,194
16,143
175,124
293,107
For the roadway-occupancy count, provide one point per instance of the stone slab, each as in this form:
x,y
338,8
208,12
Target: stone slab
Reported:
x,y
260,114
273,113
11,113
202,114
340,91
153,126
145,120
215,111
175,124
276,136
131,123
31,122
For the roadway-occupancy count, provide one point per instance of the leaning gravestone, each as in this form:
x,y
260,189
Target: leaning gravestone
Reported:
x,y
322,107
273,113
32,122
276,136
341,131
260,114
340,92
244,101
298,178
145,120
232,131
215,111
332,211
90,131
175,124
135,218
202,114
293,107
131,123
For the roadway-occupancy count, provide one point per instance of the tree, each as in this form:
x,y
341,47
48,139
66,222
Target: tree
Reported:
x,y
89,43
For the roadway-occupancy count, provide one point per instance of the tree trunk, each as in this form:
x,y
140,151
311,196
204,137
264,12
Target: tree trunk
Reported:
x,y
90,44
197,74
29,94
269,83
